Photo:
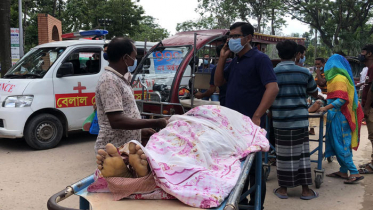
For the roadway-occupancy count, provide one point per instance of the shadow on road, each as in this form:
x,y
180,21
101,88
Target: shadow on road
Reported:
x,y
75,137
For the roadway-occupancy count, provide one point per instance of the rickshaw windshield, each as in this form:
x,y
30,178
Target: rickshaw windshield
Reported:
x,y
35,63
160,67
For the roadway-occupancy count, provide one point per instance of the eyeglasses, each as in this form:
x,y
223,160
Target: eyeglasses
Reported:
x,y
235,36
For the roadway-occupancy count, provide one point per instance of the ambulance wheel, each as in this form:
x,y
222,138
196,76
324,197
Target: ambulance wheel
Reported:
x,y
43,131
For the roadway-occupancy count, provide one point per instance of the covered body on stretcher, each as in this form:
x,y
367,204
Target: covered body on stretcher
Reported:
x,y
195,159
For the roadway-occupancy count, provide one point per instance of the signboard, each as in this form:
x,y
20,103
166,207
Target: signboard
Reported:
x,y
14,43
167,61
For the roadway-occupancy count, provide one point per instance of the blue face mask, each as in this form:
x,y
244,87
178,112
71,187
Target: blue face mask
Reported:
x,y
106,57
302,60
235,45
132,68
205,62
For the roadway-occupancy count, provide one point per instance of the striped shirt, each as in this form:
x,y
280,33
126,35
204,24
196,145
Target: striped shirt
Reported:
x,y
290,108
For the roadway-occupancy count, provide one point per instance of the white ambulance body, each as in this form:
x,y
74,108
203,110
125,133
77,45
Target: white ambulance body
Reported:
x,y
51,91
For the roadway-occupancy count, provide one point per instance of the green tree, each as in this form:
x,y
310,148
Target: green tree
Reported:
x,y
5,54
222,13
334,20
150,30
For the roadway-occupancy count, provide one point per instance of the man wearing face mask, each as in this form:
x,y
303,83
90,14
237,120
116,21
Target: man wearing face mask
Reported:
x,y
118,116
206,66
366,57
105,51
320,76
252,85
300,58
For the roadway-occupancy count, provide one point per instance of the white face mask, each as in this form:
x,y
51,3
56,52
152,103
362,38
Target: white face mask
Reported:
x,y
133,67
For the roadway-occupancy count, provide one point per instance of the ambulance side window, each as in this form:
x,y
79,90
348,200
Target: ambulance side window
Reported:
x,y
85,61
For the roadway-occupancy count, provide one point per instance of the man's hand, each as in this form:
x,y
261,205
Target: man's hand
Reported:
x,y
147,132
225,51
366,110
198,95
322,110
256,120
162,122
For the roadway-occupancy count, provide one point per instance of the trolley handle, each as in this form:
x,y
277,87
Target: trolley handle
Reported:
x,y
60,196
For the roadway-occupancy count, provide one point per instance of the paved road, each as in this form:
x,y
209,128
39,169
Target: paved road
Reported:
x,y
29,177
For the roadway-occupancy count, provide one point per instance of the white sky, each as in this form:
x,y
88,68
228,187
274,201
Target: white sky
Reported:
x,y
171,12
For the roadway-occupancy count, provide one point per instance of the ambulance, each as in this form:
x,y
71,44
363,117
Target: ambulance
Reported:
x,y
51,90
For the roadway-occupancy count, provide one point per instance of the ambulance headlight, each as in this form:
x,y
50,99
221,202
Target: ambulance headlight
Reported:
x,y
18,101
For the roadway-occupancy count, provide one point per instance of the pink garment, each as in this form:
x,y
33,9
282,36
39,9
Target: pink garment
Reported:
x,y
196,158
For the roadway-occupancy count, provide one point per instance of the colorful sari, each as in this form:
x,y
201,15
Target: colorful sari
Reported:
x,y
341,85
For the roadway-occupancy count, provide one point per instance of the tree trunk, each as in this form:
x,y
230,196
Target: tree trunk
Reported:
x,y
273,21
54,8
24,25
259,20
315,53
5,53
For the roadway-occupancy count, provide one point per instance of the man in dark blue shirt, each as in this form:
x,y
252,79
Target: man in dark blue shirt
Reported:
x,y
252,84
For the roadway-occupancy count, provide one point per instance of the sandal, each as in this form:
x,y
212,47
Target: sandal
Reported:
x,y
365,171
336,175
315,195
279,195
353,179
364,165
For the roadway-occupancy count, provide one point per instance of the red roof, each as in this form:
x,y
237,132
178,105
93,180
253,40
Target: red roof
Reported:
x,y
187,37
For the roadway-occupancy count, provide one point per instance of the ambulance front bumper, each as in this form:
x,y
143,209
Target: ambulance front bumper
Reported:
x,y
13,120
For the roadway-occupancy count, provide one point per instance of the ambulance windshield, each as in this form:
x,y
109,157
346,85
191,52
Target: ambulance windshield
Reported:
x,y
36,63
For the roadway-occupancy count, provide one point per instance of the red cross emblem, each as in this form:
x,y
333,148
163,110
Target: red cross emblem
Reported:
x,y
79,88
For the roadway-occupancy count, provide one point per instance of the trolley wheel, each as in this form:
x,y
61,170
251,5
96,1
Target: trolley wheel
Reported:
x,y
318,181
330,159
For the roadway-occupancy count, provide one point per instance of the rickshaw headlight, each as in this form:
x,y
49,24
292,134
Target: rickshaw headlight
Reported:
x,y
18,101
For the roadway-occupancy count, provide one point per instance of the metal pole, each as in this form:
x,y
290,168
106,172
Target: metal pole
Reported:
x,y
192,72
20,28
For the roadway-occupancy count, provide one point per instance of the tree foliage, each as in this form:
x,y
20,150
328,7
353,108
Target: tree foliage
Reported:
x,y
337,21
222,13
127,17
150,31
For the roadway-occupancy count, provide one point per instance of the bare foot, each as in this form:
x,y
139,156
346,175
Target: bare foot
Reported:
x,y
307,191
110,163
138,160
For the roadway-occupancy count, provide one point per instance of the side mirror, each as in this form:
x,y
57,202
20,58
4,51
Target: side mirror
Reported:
x,y
66,69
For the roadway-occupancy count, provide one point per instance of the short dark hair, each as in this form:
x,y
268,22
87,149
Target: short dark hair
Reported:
x,y
287,49
218,49
301,49
320,59
246,28
118,47
106,44
368,48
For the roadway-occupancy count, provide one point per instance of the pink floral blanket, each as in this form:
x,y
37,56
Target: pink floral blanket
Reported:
x,y
196,158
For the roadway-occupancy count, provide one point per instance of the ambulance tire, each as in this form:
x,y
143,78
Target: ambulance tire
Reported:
x,y
43,131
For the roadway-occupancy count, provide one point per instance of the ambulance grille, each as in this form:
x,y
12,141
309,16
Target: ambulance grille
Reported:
x,y
1,123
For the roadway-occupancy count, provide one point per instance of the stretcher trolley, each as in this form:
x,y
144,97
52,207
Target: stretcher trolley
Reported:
x,y
98,201
319,170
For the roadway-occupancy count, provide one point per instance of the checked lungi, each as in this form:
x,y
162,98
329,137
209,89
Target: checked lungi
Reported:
x,y
293,157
